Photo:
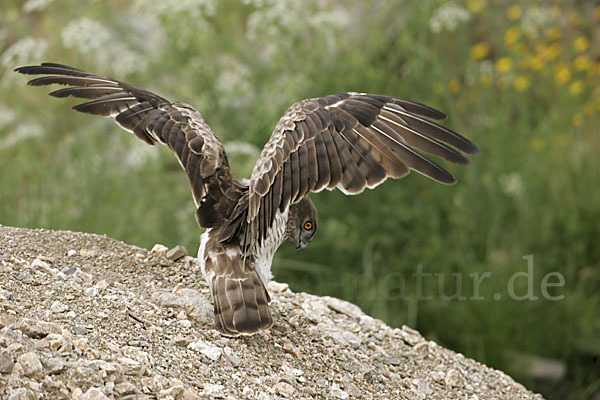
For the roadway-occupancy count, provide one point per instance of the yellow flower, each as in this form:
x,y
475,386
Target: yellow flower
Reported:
x,y
486,80
538,144
581,44
581,63
554,33
537,63
476,6
511,36
562,74
575,19
504,64
554,51
454,86
480,51
597,13
521,83
577,120
514,12
576,87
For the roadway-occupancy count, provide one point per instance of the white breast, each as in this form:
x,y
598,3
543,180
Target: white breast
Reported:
x,y
202,256
265,252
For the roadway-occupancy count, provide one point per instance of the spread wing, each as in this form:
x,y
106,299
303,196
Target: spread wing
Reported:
x,y
351,142
155,120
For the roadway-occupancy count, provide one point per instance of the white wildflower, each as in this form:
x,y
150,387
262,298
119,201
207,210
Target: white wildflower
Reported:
x,y
537,19
21,132
512,185
35,5
137,156
24,51
193,8
7,116
91,37
233,82
244,148
447,17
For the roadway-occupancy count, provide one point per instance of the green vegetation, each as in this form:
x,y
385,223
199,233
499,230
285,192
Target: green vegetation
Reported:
x,y
520,81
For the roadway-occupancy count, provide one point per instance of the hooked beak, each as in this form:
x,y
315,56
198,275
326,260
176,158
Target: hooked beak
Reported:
x,y
300,245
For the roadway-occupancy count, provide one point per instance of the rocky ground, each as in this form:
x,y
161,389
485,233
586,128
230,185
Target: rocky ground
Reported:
x,y
87,317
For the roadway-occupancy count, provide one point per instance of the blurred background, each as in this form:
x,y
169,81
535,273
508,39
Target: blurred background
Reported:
x,y
520,79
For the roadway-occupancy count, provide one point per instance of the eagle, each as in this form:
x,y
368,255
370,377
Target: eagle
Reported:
x,y
349,141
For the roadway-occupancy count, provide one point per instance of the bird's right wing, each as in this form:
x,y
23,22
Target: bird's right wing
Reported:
x,y
155,120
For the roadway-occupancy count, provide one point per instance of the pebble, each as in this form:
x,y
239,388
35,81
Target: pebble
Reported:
x,y
337,393
6,362
176,253
277,287
30,363
159,250
454,378
214,391
212,352
54,365
284,389
5,294
22,394
344,307
93,394
58,307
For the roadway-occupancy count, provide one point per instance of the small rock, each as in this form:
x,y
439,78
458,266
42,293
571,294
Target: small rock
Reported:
x,y
284,389
80,344
83,277
101,285
277,287
93,394
189,394
422,348
213,391
43,266
58,307
410,335
71,253
22,394
337,393
131,366
70,271
37,329
176,253
159,250
454,378
232,357
344,307
124,388
5,294
54,365
212,352
30,363
6,362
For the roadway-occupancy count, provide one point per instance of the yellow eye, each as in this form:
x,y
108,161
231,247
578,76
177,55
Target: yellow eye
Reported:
x,y
308,225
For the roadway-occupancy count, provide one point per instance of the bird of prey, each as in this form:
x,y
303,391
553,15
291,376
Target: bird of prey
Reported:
x,y
348,141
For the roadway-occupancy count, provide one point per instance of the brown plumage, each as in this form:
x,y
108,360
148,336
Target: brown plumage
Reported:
x,y
348,141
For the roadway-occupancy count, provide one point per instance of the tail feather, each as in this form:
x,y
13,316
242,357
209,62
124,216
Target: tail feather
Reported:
x,y
241,305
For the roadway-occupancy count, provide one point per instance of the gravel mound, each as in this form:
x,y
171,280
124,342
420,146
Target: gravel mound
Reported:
x,y
86,317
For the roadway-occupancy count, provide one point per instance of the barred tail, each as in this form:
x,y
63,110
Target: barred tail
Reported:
x,y
241,304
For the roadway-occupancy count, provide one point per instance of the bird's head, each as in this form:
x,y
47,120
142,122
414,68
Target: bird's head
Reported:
x,y
302,223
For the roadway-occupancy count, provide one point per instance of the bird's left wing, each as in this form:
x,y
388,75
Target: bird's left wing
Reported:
x,y
349,141
155,119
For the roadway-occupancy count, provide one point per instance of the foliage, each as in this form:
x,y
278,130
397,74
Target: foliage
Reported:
x,y
520,80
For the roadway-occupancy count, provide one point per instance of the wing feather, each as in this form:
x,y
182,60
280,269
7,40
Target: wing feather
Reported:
x,y
154,119
351,141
